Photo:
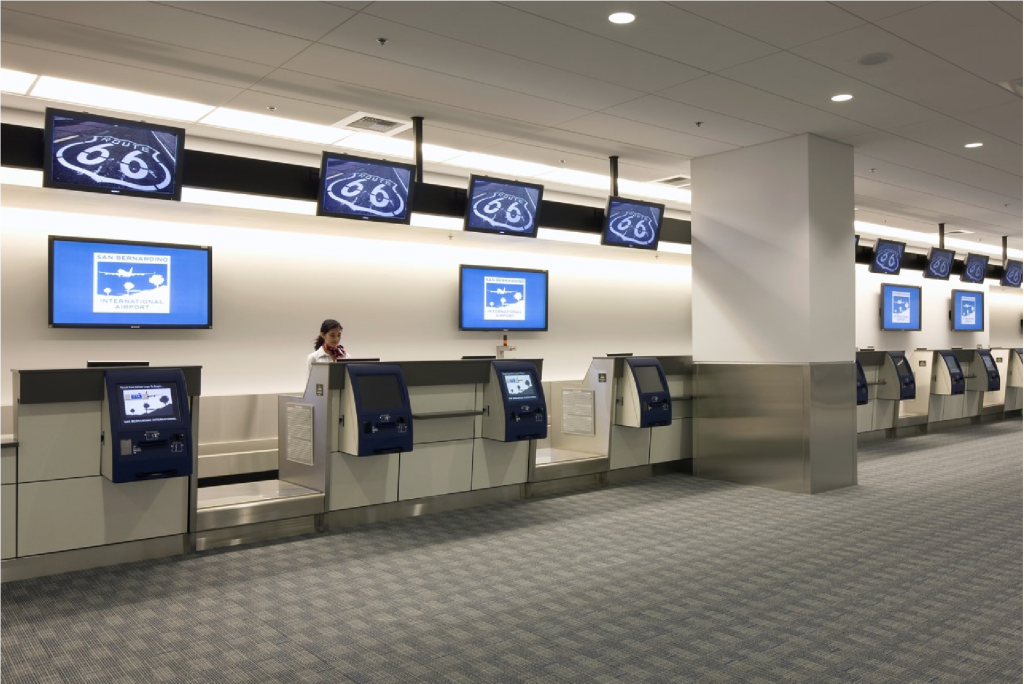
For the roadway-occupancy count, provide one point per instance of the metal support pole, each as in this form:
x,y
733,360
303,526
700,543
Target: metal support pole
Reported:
x,y
417,131
1005,254
942,236
613,174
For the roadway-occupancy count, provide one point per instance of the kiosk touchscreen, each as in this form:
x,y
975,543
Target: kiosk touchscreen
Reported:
x,y
862,385
377,417
991,370
645,394
908,386
150,433
517,409
949,378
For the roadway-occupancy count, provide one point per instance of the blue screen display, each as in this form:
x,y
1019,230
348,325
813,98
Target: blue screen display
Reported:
x,y
1012,273
504,207
974,268
940,263
125,284
632,224
365,189
901,307
968,310
888,257
502,299
102,154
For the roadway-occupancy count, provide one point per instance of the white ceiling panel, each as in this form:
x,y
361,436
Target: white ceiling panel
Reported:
x,y
69,42
782,24
438,53
951,136
977,36
921,219
659,111
613,128
1003,121
800,79
289,108
552,156
309,21
873,11
514,32
160,25
660,28
1011,8
662,162
915,74
358,69
887,147
732,98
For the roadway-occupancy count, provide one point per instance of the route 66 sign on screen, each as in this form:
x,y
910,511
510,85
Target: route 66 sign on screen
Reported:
x,y
502,206
365,189
631,223
888,257
116,156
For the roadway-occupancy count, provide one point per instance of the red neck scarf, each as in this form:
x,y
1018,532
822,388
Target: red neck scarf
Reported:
x,y
336,353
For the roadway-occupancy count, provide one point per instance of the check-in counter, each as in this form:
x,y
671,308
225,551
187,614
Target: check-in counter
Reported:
x,y
961,379
82,479
889,380
1014,379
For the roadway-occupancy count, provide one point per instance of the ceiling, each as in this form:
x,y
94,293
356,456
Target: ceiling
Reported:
x,y
557,83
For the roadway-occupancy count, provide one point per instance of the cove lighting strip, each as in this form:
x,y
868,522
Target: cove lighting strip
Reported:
x,y
932,239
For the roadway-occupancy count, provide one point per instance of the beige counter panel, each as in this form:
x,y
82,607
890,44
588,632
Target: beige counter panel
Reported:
x,y
9,520
9,465
57,441
500,463
630,447
361,481
437,468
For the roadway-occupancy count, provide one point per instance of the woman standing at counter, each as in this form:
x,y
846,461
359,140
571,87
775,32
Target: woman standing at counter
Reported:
x,y
327,346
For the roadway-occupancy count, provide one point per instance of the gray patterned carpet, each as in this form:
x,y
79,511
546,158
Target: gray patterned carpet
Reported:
x,y
912,576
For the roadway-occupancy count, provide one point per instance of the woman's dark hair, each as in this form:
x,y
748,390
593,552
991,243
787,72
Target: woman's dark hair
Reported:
x,y
325,327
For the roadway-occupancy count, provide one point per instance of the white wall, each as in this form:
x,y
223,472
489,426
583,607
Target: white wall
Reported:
x,y
277,276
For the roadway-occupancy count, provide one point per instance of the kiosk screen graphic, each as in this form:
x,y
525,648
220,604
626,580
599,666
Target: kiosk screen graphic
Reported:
x,y
96,283
630,223
492,298
974,269
1012,273
149,404
968,311
901,307
501,206
116,156
365,189
519,386
940,263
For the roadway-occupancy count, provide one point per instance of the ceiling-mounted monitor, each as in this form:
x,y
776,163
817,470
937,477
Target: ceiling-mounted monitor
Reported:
x,y
365,189
505,207
940,263
1012,272
120,284
632,223
901,307
887,257
102,154
497,298
975,266
968,312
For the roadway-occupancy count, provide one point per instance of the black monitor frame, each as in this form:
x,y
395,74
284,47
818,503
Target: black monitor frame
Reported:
x,y
474,179
547,298
321,188
965,277
936,251
605,225
883,242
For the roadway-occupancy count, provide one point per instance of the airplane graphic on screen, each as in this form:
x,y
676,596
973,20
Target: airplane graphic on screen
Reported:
x,y
122,273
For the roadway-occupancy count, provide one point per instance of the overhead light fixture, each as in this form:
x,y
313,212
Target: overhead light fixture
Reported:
x,y
573,236
118,100
503,165
277,126
239,200
842,97
378,144
654,191
621,18
29,178
581,179
674,247
435,221
974,144
439,153
16,82
932,239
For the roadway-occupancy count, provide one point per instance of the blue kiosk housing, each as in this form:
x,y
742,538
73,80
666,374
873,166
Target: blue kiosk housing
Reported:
x,y
953,372
150,425
908,386
378,410
862,385
517,408
991,370
645,397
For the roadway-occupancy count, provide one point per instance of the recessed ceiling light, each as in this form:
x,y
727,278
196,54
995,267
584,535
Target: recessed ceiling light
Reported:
x,y
16,82
875,58
842,98
621,18
974,144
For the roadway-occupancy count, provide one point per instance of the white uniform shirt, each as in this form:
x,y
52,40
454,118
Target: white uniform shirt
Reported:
x,y
319,356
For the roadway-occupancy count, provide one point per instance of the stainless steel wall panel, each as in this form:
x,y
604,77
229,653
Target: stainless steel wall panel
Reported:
x,y
833,428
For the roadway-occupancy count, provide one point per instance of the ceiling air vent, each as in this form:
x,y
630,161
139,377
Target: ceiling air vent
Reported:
x,y
959,232
678,181
374,123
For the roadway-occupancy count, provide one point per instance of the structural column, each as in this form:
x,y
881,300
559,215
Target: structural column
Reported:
x,y
773,315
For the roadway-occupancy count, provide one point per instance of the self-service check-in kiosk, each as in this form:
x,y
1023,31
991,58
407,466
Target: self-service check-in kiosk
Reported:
x,y
985,375
888,380
148,423
862,386
947,401
643,399
1014,381
515,400
376,415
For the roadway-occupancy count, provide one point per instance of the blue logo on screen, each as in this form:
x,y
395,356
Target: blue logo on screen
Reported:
x,y
968,311
633,224
1013,274
135,396
888,258
113,156
367,190
975,269
939,265
501,207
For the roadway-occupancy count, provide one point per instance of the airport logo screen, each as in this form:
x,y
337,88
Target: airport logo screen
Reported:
x,y
131,283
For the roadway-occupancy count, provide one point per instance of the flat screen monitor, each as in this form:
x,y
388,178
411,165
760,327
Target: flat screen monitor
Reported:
x,y
632,223
990,365
149,404
365,189
495,298
121,284
902,366
501,206
951,364
114,156
901,307
968,313
519,386
648,379
379,392
940,263
1012,272
975,266
887,257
